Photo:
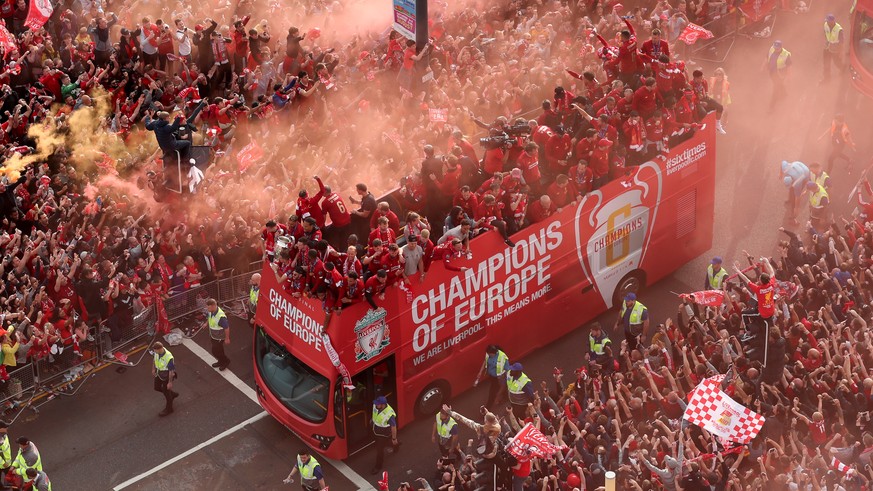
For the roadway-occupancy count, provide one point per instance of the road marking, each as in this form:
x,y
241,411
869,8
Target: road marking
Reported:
x,y
226,374
349,473
199,447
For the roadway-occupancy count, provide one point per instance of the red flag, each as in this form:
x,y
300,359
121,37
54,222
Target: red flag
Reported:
x,y
438,115
707,298
39,13
248,155
693,32
7,40
530,443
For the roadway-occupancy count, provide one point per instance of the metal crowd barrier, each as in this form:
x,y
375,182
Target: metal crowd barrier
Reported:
x,y
223,290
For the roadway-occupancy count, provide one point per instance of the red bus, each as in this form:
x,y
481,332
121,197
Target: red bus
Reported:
x,y
561,273
861,47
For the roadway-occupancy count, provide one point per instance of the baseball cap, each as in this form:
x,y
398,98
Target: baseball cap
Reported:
x,y
516,366
380,400
716,260
515,173
786,180
830,18
630,296
198,27
777,44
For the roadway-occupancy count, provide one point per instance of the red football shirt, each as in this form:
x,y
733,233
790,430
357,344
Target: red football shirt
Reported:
x,y
766,300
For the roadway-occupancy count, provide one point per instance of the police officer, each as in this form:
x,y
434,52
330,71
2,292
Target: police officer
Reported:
x,y
311,475
495,366
219,333
715,275
818,203
27,458
164,372
5,448
385,429
833,45
521,391
597,341
38,481
634,318
254,291
445,434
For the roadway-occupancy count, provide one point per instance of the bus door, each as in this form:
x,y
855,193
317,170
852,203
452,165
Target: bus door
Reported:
x,y
377,380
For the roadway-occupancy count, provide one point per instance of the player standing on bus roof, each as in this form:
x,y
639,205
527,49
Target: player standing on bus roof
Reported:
x,y
521,390
495,366
311,475
445,435
634,318
715,275
385,428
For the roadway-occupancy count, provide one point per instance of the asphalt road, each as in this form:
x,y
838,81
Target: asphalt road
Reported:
x,y
109,432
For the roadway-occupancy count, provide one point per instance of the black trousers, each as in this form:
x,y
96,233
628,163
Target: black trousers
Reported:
x,y
218,352
161,386
496,391
383,442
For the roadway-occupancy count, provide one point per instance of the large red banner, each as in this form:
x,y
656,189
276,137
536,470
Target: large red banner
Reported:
x,y
530,443
39,13
693,32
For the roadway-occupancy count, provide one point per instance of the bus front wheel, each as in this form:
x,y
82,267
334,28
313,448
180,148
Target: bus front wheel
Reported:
x,y
633,282
432,398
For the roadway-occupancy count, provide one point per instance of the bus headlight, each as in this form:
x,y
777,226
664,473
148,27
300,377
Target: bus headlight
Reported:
x,y
323,441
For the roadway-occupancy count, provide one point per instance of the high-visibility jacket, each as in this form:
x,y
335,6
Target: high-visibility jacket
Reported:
x,y
832,35
515,386
212,320
5,451
502,360
382,420
782,60
636,316
307,472
596,345
444,428
715,278
162,362
253,296
816,197
820,179
21,463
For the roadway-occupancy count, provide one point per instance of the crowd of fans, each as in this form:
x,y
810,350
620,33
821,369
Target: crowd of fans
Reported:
x,y
85,244
622,410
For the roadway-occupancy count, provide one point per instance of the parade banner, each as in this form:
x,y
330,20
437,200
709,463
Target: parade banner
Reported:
x,y
250,154
39,13
713,410
438,115
7,40
693,32
530,443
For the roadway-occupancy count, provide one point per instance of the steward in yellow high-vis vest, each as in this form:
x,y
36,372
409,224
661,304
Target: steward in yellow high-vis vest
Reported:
x,y
311,475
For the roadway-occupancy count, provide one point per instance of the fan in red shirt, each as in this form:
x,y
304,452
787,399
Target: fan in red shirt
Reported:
x,y
765,293
647,99
307,206
334,207
541,209
447,251
351,291
655,47
581,178
467,200
558,150
383,209
599,162
383,232
529,164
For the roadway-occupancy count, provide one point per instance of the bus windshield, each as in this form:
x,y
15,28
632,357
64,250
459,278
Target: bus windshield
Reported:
x,y
862,35
302,390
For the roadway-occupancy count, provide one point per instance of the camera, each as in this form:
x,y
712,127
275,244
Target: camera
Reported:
x,y
520,128
499,140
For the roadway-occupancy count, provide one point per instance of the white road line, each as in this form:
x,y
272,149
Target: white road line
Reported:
x,y
226,374
199,447
349,473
